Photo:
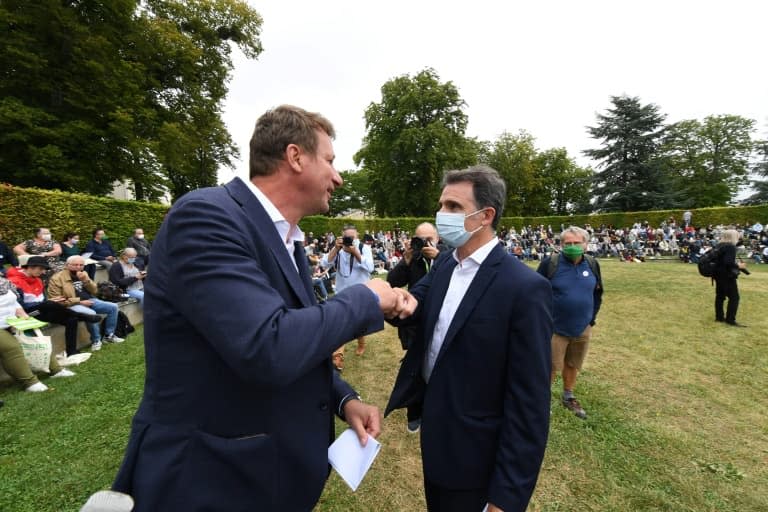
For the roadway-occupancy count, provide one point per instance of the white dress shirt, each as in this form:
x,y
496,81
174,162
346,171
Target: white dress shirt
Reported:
x,y
463,274
349,271
287,235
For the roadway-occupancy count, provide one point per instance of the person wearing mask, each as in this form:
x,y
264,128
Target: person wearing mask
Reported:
x,y
100,250
70,246
73,288
141,245
128,276
42,245
353,262
420,252
726,273
577,289
11,356
480,363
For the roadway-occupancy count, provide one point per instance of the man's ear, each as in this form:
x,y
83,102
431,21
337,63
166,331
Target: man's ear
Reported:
x,y
293,155
489,214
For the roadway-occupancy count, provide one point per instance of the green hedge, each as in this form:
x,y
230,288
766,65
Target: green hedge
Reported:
x,y
23,209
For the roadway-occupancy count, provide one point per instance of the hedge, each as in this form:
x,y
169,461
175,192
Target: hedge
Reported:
x,y
24,209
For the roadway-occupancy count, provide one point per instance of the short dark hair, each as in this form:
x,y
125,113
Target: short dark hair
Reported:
x,y
68,235
96,231
489,188
279,127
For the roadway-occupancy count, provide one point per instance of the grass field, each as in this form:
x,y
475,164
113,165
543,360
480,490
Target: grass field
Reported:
x,y
676,403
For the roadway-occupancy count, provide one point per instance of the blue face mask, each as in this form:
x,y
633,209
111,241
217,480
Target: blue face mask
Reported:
x,y
131,260
450,227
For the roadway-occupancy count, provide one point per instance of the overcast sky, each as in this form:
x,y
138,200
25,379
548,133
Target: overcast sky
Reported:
x,y
546,67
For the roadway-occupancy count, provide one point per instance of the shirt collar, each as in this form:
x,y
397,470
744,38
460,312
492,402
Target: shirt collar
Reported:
x,y
482,252
283,226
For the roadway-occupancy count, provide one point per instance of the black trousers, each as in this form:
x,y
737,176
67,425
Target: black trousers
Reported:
x,y
726,288
56,313
441,499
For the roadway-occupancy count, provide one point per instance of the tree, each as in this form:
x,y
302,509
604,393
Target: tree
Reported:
x,y
709,160
89,89
352,195
630,177
760,168
566,184
412,136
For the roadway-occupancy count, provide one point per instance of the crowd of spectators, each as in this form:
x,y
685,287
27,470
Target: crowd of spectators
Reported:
x,y
45,278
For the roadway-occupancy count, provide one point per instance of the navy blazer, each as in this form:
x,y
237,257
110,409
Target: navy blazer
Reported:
x,y
240,394
486,408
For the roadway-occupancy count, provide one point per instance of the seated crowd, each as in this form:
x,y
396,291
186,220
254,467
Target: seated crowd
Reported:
x,y
45,279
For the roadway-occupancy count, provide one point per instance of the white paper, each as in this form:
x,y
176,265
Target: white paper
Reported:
x,y
350,460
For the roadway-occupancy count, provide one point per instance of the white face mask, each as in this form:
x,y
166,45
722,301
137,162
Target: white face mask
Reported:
x,y
46,237
450,227
140,237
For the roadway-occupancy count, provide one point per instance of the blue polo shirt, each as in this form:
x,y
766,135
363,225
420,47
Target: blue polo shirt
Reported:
x,y
573,289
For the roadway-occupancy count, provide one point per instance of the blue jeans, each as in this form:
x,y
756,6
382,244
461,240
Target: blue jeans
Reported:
x,y
102,308
138,295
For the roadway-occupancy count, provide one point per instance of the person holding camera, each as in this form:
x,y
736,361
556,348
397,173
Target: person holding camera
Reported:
x,y
416,262
725,275
353,261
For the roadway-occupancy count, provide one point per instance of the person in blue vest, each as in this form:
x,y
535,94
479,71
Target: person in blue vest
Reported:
x,y
577,290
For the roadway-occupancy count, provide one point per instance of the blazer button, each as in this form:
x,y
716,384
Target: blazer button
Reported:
x,y
323,406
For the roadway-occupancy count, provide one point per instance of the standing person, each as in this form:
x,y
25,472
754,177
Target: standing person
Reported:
x,y
725,275
353,261
142,246
240,395
577,289
480,363
417,259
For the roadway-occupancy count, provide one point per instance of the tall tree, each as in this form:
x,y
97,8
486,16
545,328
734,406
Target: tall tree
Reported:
x,y
629,176
760,169
88,89
412,136
352,195
514,157
709,160
567,186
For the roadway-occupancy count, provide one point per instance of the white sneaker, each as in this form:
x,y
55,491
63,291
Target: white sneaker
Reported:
x,y
63,373
113,339
95,346
37,387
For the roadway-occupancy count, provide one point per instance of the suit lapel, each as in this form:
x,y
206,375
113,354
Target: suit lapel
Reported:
x,y
266,228
477,288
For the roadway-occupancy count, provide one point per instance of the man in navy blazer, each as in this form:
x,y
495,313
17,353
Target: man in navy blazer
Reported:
x,y
480,362
240,394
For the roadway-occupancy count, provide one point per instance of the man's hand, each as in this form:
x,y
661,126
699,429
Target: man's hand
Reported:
x,y
430,252
81,275
57,299
494,508
408,252
110,258
86,302
389,299
364,419
407,303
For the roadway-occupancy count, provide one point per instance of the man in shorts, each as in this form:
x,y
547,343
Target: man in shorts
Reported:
x,y
577,291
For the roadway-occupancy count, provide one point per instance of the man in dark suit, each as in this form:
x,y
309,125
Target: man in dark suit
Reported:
x,y
480,362
240,394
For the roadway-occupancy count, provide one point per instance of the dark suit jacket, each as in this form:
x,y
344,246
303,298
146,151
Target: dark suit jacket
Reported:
x,y
486,408
240,394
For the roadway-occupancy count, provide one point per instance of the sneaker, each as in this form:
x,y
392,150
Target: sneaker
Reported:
x,y
414,426
96,345
574,406
37,387
111,338
63,373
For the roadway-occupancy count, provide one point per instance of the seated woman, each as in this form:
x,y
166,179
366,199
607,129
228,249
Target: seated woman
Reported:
x,y
11,356
32,298
127,275
42,245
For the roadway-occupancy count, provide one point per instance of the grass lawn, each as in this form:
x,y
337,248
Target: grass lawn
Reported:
x,y
676,404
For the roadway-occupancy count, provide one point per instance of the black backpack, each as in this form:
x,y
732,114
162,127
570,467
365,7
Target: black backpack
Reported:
x,y
709,261
123,327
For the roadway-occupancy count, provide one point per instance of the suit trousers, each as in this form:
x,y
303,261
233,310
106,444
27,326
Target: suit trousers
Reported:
x,y
442,499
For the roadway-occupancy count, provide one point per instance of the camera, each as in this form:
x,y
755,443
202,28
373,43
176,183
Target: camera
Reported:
x,y
347,241
417,244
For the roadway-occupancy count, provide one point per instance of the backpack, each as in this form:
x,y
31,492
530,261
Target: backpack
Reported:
x,y
593,266
110,292
709,261
123,327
